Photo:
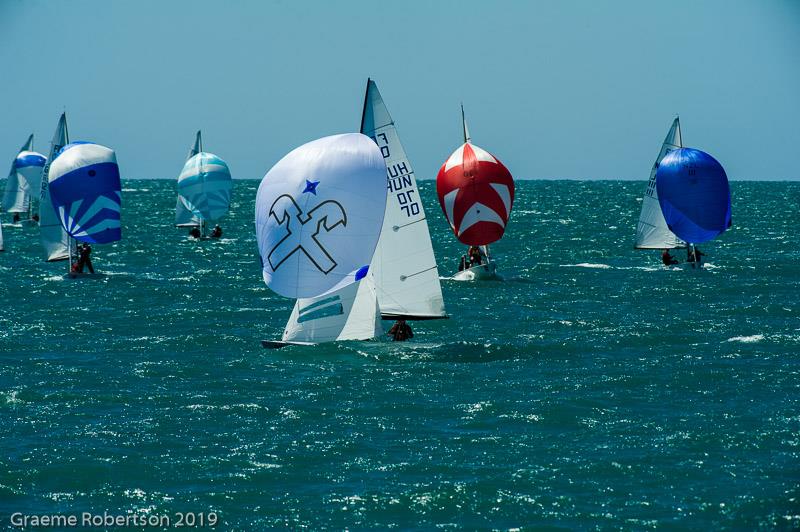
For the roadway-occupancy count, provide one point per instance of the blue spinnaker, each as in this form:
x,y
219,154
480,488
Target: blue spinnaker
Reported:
x,y
694,195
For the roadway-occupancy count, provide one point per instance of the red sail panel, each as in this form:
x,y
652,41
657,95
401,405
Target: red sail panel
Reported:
x,y
476,193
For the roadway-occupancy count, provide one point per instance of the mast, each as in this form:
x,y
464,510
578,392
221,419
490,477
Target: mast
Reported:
x,y
464,125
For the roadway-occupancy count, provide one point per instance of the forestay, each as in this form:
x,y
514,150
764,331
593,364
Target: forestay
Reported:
x,y
351,313
652,231
85,189
319,213
404,265
54,239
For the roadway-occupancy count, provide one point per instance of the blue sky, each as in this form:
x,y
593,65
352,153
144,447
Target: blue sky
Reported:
x,y
556,89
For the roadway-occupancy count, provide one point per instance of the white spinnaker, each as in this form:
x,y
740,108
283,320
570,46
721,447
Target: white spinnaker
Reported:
x,y
652,231
54,239
404,265
16,197
350,313
183,214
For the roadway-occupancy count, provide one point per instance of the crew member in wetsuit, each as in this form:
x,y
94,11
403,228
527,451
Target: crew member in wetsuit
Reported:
x,y
668,259
216,232
16,217
463,264
35,217
194,232
400,331
84,259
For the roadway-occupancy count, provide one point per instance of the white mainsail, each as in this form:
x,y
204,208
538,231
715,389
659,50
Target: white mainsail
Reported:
x,y
404,265
183,214
55,240
652,231
350,313
16,197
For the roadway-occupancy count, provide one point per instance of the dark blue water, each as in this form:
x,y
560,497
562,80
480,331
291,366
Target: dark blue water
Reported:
x,y
590,389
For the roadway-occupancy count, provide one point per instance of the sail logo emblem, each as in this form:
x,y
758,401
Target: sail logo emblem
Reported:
x,y
326,216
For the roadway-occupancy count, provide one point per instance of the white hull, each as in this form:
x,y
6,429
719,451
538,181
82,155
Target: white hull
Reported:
x,y
481,272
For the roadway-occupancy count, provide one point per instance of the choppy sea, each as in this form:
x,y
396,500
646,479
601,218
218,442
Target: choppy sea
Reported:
x,y
591,388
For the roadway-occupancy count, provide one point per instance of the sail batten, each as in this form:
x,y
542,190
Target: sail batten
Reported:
x,y
404,265
652,231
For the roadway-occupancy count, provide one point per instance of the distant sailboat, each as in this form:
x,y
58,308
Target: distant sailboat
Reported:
x,y
86,193
476,193
695,198
403,278
24,181
319,213
652,231
55,240
204,189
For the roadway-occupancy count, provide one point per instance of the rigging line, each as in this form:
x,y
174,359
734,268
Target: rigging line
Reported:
x,y
404,277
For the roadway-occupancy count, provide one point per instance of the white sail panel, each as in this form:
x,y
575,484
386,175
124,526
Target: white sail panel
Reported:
x,y
23,179
404,265
652,231
14,198
54,239
183,212
350,313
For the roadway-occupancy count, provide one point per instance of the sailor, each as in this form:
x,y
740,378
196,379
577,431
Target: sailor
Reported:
x,y
84,259
475,256
35,217
668,259
194,232
16,217
400,331
463,264
216,232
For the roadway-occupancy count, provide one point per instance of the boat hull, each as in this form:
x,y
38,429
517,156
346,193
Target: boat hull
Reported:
x,y
481,272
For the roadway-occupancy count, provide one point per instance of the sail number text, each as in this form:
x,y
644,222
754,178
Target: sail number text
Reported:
x,y
398,179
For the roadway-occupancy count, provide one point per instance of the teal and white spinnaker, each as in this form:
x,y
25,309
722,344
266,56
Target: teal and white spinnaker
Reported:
x,y
319,213
24,179
204,188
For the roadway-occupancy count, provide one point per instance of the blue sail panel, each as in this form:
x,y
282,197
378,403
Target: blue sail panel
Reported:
x,y
694,195
85,190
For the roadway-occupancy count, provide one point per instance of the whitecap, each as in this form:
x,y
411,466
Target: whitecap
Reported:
x,y
587,265
746,339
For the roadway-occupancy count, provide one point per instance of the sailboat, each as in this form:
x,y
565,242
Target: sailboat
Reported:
x,y
476,193
23,181
695,198
403,280
652,231
86,194
403,277
204,189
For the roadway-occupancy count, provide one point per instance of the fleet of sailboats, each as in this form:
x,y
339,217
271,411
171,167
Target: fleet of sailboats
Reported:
x,y
340,221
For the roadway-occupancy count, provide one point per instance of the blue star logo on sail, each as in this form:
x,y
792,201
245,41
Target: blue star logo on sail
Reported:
x,y
311,186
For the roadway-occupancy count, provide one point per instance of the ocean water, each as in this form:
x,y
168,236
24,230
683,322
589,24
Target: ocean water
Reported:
x,y
591,388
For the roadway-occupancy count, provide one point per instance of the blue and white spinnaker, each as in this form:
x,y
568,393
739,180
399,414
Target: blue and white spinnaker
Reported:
x,y
694,195
85,190
319,213
24,179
